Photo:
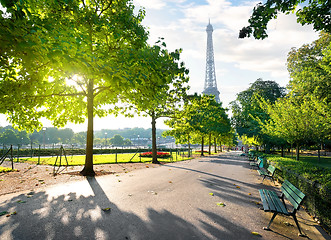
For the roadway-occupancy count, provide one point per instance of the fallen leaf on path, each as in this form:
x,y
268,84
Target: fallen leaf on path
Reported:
x,y
249,194
237,187
21,201
147,166
211,194
12,213
221,204
255,233
170,181
106,209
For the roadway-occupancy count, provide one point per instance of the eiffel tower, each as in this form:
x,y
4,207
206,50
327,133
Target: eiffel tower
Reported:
x,y
210,81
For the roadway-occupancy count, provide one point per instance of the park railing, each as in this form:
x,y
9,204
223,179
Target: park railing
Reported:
x,y
41,151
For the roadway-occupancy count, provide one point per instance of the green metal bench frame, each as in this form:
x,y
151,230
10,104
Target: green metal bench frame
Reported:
x,y
272,202
269,173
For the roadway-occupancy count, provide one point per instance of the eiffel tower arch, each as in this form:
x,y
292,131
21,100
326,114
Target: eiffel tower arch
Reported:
x,y
210,87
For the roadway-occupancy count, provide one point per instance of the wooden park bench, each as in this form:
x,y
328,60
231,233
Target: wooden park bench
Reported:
x,y
273,203
258,163
267,173
252,156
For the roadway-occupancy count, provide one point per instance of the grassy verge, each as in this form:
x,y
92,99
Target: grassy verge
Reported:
x,y
308,167
6,169
100,159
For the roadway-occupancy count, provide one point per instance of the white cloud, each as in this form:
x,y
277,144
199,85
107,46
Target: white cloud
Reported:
x,y
151,4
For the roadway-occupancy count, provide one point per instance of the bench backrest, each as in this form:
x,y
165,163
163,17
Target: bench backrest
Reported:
x,y
259,162
271,169
294,195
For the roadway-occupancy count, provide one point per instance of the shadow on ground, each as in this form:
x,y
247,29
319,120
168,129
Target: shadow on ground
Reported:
x,y
71,216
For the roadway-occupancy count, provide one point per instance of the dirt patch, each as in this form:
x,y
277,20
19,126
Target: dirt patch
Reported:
x,y
30,176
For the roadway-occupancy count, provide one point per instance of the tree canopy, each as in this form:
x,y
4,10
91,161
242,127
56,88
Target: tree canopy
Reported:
x,y
315,12
310,70
298,121
246,108
66,60
162,85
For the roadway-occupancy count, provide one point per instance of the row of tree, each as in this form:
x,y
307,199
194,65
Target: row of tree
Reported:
x,y
201,117
51,135
266,114
299,115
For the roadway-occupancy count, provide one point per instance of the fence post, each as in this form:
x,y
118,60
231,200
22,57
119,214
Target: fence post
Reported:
x,y
31,149
18,153
11,157
116,155
39,155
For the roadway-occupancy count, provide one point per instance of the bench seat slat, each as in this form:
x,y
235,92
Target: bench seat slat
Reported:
x,y
278,203
262,172
271,202
264,201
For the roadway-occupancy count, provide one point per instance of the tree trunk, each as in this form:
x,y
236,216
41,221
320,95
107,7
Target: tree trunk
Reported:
x,y
88,168
209,150
154,150
189,145
215,145
267,148
282,154
202,143
297,152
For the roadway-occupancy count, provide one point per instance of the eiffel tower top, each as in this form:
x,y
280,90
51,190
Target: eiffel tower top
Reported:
x,y
209,27
210,87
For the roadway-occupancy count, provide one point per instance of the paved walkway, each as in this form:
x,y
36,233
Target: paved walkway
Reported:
x,y
208,198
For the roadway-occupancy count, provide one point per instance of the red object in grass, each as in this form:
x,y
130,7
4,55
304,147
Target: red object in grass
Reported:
x,y
159,154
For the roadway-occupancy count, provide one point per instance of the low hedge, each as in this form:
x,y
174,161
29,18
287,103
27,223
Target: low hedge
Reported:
x,y
312,180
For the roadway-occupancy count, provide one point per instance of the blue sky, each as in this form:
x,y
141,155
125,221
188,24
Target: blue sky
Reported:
x,y
238,62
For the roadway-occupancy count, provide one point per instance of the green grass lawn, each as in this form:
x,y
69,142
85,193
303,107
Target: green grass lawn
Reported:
x,y
324,162
100,159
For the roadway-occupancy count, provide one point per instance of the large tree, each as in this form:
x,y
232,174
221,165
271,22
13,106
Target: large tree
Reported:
x,y
162,85
246,108
315,12
67,60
